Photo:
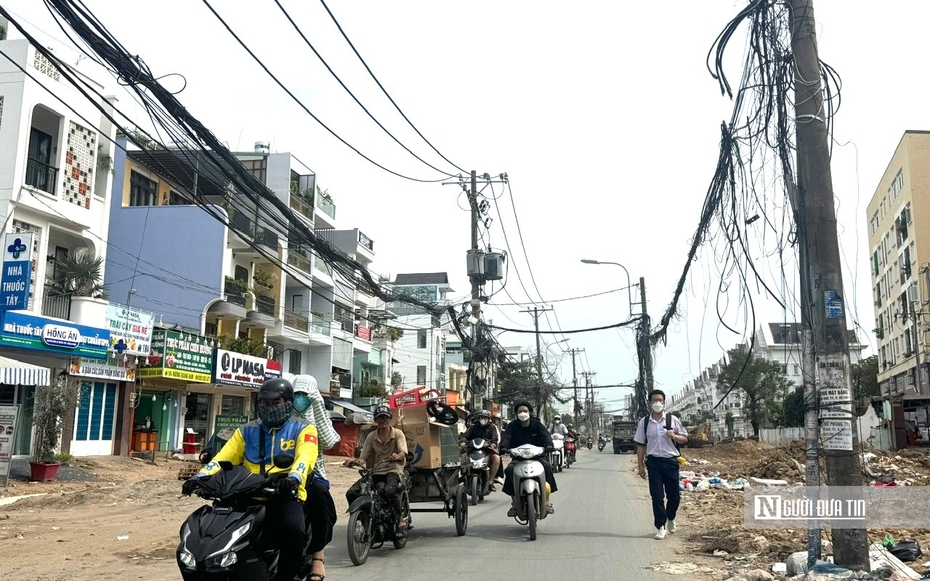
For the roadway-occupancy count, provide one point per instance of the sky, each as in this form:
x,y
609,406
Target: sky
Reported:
x,y
602,114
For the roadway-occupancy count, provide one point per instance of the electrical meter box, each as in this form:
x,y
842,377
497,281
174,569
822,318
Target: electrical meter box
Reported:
x,y
494,266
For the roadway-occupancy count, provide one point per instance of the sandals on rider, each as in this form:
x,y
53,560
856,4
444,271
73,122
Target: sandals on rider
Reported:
x,y
316,576
401,531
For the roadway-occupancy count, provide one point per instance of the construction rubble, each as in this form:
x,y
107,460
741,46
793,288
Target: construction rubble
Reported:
x,y
712,483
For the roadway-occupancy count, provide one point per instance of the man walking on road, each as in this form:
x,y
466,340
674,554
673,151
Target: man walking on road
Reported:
x,y
658,437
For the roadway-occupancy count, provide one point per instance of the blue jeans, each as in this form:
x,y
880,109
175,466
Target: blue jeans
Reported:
x,y
663,488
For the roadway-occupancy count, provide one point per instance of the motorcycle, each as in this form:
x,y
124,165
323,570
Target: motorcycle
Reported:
x,y
557,455
531,492
224,539
372,522
569,451
590,442
477,469
601,443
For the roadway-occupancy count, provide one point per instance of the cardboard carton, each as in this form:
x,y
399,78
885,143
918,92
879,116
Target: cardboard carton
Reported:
x,y
431,444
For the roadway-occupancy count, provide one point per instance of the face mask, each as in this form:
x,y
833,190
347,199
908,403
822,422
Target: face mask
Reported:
x,y
301,402
557,422
275,415
523,416
483,422
658,406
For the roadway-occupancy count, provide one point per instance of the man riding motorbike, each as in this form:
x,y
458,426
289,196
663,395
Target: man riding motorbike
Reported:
x,y
483,428
320,510
254,446
526,430
384,453
558,427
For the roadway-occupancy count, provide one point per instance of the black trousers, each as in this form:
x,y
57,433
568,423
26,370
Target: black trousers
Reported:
x,y
320,512
391,490
663,488
508,477
285,528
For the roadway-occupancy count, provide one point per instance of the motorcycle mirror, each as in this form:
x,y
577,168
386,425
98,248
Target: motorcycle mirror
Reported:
x,y
283,461
226,465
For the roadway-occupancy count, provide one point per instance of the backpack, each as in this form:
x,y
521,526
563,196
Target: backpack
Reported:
x,y
668,426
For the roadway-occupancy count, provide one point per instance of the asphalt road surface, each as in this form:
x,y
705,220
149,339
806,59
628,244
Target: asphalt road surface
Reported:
x,y
602,529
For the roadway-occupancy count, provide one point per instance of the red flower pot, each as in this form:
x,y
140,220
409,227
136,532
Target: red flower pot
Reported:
x,y
44,471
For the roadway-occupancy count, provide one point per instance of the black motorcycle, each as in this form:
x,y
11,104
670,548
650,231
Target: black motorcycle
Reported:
x,y
601,443
223,540
477,470
372,521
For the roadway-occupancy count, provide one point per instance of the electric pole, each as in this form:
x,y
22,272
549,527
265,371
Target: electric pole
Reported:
x,y
588,395
575,382
476,280
644,355
540,395
823,309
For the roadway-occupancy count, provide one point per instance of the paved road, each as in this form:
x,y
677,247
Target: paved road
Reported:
x,y
602,529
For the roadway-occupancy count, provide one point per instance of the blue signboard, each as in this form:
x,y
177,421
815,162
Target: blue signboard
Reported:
x,y
28,331
14,284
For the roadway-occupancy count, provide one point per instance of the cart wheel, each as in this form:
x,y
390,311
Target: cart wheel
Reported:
x,y
461,510
358,537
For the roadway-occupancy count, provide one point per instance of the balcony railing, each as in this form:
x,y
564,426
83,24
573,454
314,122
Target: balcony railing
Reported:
x,y
365,241
296,321
322,265
265,305
58,306
346,322
301,207
266,237
234,295
321,326
327,207
41,175
299,261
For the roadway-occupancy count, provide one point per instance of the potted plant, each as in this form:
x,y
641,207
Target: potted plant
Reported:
x,y
52,404
78,274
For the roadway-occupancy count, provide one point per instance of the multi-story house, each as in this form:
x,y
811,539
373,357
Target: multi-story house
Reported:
x,y
55,152
420,353
898,213
252,283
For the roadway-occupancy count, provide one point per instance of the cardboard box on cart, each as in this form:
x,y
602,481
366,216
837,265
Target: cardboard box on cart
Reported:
x,y
431,444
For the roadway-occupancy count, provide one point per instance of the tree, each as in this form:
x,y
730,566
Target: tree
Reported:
x,y
516,381
865,378
396,379
53,403
243,345
758,382
372,389
77,274
793,406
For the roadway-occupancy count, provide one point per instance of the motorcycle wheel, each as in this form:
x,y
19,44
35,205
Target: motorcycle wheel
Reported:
x,y
358,537
531,514
461,511
475,492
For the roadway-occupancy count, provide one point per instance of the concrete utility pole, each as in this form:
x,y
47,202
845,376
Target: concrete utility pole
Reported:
x,y
644,351
575,383
588,395
540,397
823,311
475,278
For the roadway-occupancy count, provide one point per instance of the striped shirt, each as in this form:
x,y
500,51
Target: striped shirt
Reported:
x,y
318,417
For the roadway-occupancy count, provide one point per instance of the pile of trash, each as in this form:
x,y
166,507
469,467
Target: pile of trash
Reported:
x,y
907,468
696,482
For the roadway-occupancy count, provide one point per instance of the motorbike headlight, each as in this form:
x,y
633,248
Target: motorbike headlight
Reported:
x,y
187,559
225,560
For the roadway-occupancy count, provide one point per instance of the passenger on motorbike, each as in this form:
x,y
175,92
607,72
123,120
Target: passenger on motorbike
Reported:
x,y
526,430
319,509
383,453
558,427
254,446
483,428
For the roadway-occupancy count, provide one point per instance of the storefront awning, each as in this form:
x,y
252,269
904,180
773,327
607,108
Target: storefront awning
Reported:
x,y
349,407
13,372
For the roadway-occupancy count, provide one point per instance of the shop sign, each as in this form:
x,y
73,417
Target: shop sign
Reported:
x,y
7,428
130,330
17,271
231,368
114,368
272,369
363,333
223,429
180,356
27,331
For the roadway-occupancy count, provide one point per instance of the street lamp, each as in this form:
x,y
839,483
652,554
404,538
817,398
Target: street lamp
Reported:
x,y
629,284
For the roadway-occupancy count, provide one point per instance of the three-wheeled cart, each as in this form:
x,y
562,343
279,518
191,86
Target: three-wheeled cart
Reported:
x,y
444,484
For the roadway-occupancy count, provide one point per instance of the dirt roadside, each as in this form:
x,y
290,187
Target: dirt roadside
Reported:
x,y
121,525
